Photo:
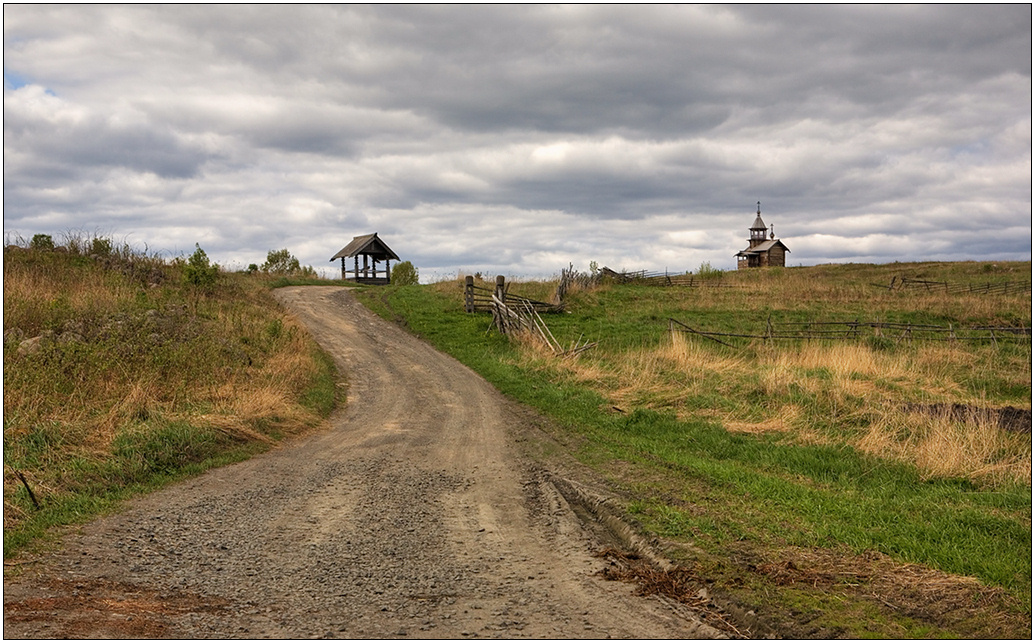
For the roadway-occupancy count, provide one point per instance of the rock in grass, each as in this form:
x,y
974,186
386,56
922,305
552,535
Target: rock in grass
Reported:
x,y
33,345
70,337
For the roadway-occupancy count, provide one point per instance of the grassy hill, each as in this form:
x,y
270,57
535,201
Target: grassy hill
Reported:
x,y
864,484
124,371
859,485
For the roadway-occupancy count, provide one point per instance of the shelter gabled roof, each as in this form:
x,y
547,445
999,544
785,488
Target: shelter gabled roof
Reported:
x,y
367,244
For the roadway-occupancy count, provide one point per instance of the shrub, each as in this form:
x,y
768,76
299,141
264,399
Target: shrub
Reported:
x,y
705,271
42,242
280,262
404,274
198,272
100,246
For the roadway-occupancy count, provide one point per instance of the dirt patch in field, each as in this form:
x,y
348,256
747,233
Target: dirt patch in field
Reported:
x,y
1008,418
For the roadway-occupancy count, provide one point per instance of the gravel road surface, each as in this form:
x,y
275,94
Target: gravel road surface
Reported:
x,y
414,516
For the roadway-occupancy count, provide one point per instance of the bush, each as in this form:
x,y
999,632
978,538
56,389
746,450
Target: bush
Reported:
x,y
705,271
198,272
280,262
42,242
100,246
404,274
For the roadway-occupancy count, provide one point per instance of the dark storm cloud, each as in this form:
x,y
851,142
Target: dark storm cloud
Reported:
x,y
635,134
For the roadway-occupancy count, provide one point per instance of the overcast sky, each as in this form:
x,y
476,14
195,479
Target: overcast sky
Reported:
x,y
515,140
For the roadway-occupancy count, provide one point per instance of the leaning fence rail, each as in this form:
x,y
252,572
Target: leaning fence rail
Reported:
x,y
515,317
853,329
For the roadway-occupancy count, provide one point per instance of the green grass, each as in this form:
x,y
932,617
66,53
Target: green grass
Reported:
x,y
695,481
322,394
144,458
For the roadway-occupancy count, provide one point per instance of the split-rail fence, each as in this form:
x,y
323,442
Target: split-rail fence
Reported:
x,y
997,288
842,330
480,299
642,277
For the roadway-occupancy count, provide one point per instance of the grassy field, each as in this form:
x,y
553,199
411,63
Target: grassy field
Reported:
x,y
121,375
773,464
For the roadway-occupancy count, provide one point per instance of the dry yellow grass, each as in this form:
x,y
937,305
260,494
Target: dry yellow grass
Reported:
x,y
667,376
138,359
940,445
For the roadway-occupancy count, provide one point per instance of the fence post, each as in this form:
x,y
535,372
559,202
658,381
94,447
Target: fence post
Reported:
x,y
501,290
469,294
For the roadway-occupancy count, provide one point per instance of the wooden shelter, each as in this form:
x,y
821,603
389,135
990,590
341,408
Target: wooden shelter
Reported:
x,y
762,252
372,249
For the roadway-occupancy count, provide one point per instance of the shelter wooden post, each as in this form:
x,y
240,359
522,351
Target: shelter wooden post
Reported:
x,y
388,270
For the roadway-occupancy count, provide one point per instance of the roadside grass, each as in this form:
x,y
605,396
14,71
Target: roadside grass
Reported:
x,y
138,379
760,448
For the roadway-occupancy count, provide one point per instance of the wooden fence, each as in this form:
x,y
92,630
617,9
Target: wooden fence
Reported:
x,y
999,288
855,329
520,315
480,299
573,278
644,278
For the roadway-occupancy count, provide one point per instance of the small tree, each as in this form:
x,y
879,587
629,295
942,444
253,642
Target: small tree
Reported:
x,y
280,262
42,242
705,271
404,274
198,272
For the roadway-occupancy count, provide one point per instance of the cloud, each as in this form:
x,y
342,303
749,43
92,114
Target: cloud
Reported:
x,y
519,138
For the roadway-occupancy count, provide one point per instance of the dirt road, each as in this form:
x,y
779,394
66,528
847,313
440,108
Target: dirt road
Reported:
x,y
414,516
